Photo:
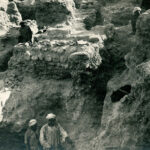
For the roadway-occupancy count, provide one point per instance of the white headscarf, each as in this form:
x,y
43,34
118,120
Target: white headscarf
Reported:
x,y
136,9
32,122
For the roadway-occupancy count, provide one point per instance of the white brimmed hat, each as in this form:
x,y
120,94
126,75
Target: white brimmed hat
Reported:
x,y
50,116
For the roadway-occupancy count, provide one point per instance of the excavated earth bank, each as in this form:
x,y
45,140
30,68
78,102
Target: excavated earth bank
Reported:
x,y
96,84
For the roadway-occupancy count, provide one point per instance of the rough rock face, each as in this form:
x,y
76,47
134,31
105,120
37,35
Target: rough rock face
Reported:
x,y
59,97
56,59
9,20
27,11
3,4
88,3
4,19
4,22
9,16
95,18
126,122
122,16
47,12
63,72
94,15
52,75
44,78
55,12
145,4
14,15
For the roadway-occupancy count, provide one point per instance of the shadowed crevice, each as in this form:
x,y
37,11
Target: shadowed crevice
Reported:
x,y
120,93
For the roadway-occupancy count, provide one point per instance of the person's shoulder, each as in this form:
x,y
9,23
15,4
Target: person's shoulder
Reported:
x,y
59,126
44,126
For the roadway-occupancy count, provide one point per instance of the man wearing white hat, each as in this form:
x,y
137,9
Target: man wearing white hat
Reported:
x,y
52,135
31,138
136,13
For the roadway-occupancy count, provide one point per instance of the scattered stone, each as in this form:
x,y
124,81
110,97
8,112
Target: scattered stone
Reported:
x,y
14,15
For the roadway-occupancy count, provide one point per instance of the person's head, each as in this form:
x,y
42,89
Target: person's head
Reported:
x,y
33,124
136,10
51,119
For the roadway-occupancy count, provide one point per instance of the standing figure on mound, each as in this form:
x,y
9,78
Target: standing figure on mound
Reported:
x,y
31,138
25,33
52,135
136,13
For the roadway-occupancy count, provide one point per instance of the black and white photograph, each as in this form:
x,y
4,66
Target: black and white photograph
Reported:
x,y
74,74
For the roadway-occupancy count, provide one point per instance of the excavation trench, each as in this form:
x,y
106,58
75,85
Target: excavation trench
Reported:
x,y
85,105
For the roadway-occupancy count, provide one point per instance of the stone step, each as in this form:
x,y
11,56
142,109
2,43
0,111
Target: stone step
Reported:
x,y
81,16
78,24
79,28
85,11
82,13
79,19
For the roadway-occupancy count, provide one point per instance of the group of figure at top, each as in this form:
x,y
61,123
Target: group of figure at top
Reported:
x,y
25,31
26,34
51,136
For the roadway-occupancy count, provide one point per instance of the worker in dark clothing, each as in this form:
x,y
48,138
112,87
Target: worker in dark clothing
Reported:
x,y
25,33
135,15
31,138
99,17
